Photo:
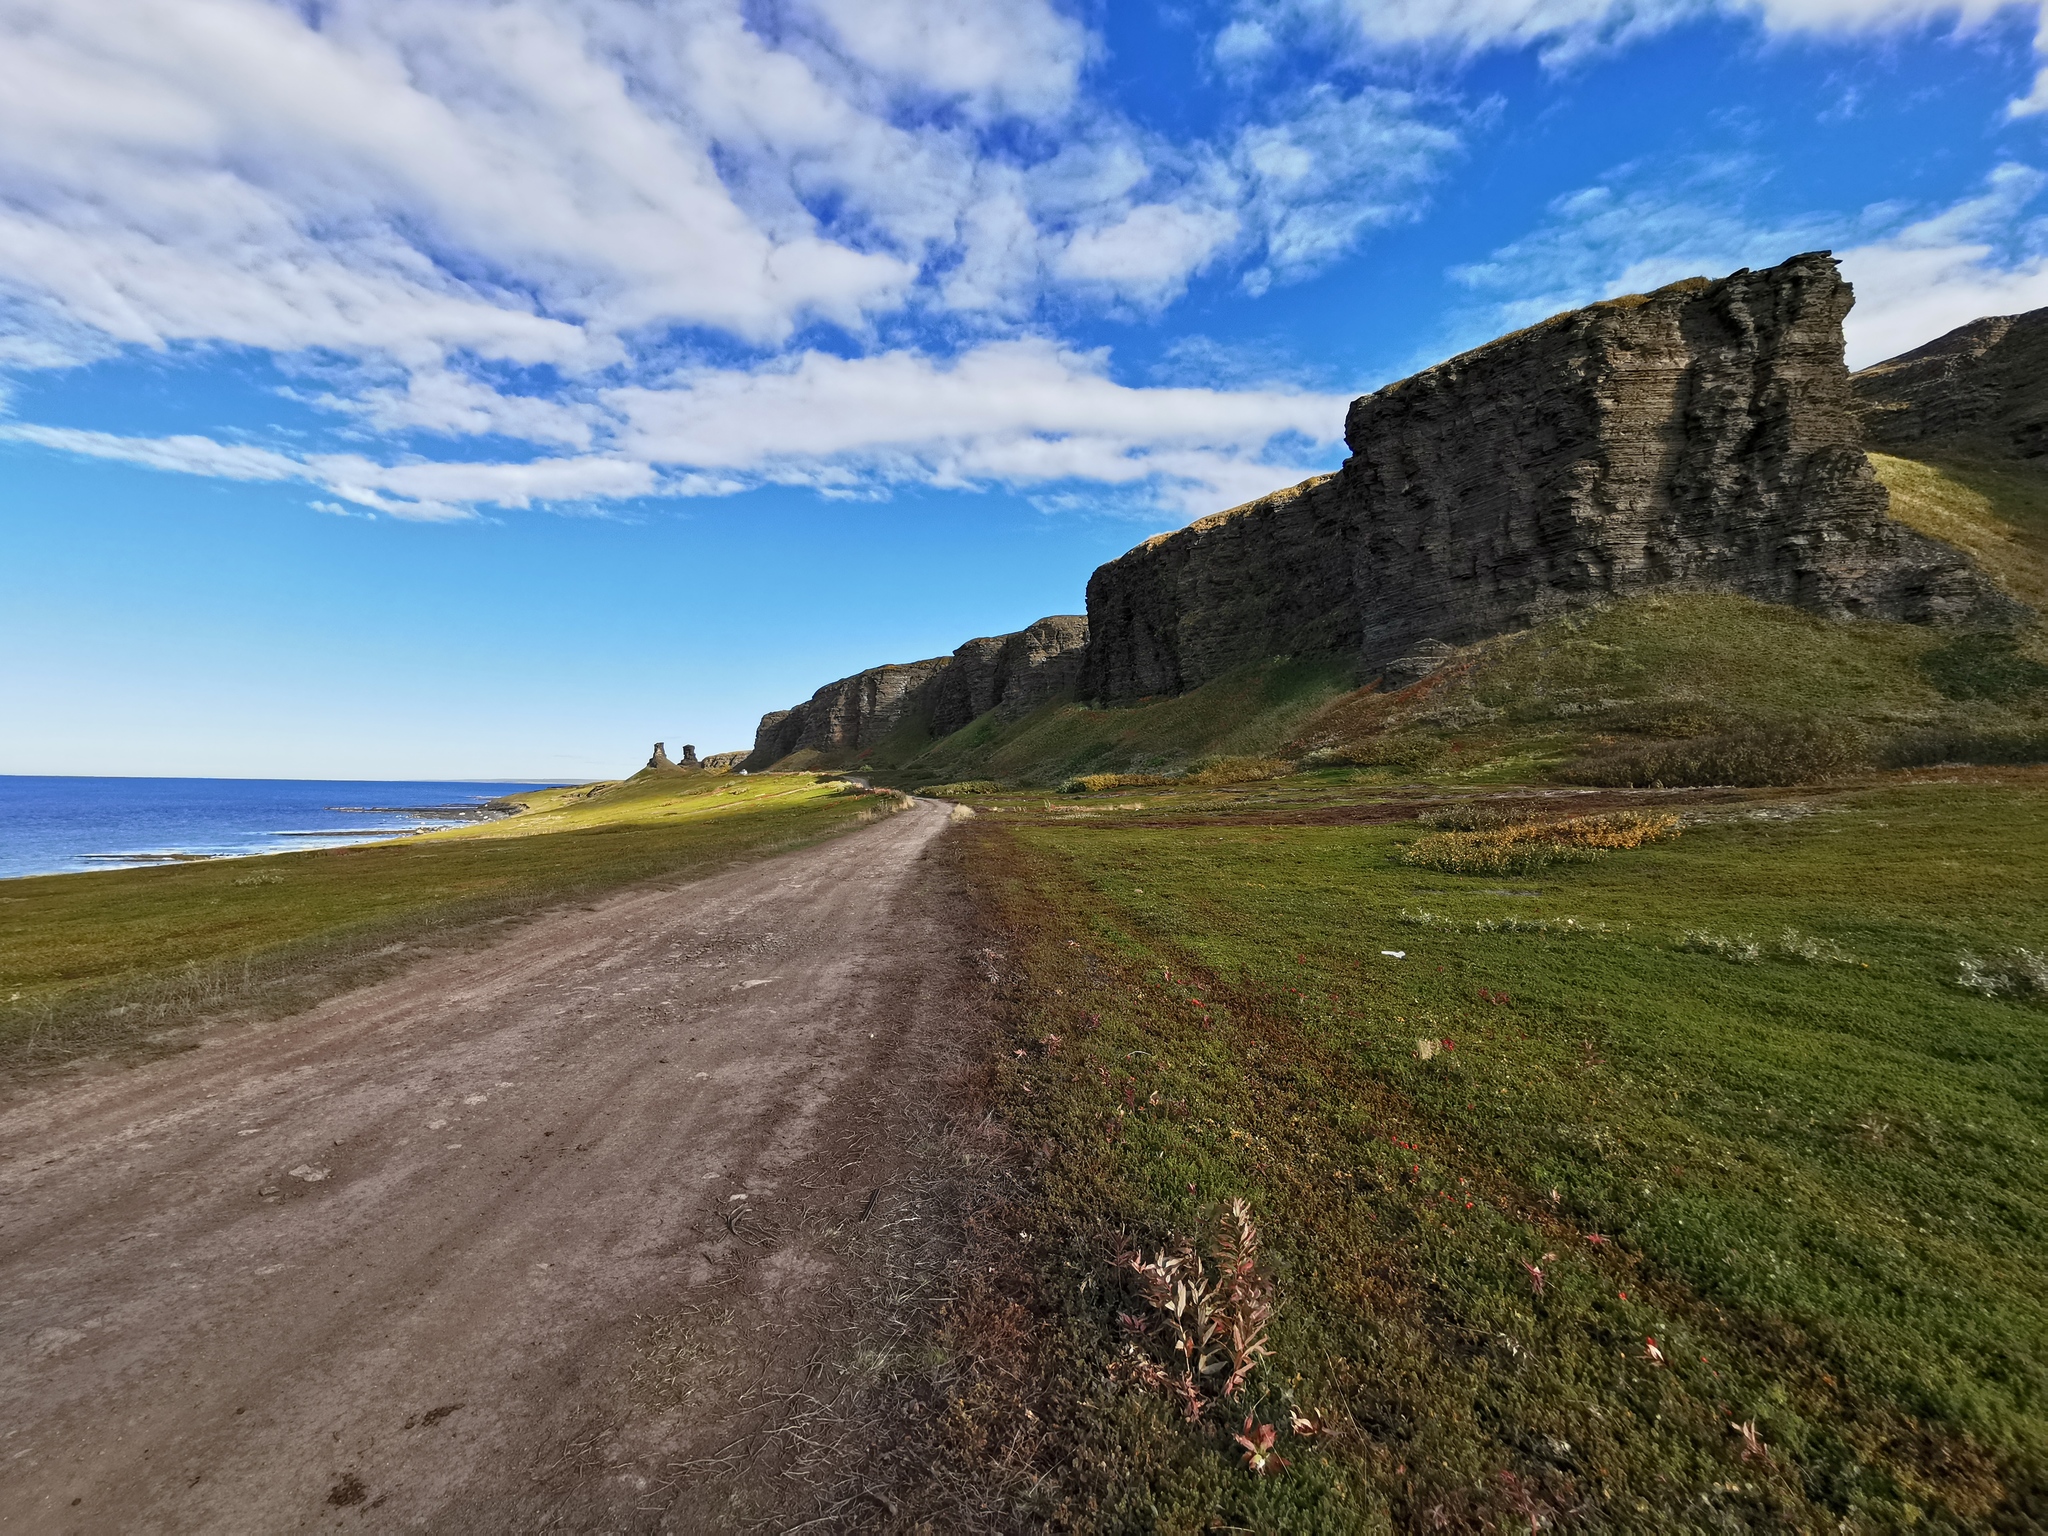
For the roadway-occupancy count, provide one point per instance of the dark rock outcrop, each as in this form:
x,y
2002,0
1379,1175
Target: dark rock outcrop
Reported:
x,y
660,759
1012,674
1701,437
1980,392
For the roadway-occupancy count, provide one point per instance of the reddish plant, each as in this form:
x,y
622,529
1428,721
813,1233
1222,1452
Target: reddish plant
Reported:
x,y
1207,1316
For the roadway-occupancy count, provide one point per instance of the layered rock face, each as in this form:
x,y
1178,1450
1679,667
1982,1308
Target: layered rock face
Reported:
x,y
1012,674
1701,437
1981,391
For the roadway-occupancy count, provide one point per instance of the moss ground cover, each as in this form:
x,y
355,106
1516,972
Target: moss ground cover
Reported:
x,y
109,959
1691,1188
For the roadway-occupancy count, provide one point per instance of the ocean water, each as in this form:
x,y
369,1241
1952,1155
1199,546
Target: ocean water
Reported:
x,y
59,825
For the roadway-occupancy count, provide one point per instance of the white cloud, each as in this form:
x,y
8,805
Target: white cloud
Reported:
x,y
1564,29
550,181
1915,278
1019,413
185,454
1603,240
505,218
1151,252
1334,167
421,490
1020,58
1982,256
1014,413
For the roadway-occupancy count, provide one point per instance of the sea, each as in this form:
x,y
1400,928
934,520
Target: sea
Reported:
x,y
51,826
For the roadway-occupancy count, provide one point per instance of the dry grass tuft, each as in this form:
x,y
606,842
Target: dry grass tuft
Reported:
x,y
1238,770
1517,848
1094,783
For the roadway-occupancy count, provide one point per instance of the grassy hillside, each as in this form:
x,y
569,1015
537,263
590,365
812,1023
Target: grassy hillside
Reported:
x,y
1531,705
1562,1179
110,959
1997,510
1252,711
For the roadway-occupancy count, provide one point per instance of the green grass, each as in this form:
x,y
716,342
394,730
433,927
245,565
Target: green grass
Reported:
x,y
1820,1168
110,960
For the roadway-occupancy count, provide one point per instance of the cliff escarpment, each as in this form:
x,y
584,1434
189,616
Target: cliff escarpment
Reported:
x,y
1009,674
1703,437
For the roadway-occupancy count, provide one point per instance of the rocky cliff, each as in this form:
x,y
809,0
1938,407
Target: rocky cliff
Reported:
x,y
1012,674
1980,392
1704,436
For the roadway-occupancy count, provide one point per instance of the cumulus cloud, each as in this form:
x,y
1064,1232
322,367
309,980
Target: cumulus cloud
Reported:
x,y
504,219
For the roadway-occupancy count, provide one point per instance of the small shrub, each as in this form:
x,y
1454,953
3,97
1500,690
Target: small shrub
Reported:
x,y
1475,816
1094,783
1924,749
2022,973
1239,770
1525,847
261,880
1200,1328
1409,749
964,787
1742,948
1794,752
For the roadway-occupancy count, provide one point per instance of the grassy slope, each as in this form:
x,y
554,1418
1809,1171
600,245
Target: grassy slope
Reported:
x,y
1248,711
1253,710
1996,510
1823,1181
100,960
1512,708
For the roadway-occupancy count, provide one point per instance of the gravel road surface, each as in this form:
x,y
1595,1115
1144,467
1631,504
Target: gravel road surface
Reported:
x,y
548,1235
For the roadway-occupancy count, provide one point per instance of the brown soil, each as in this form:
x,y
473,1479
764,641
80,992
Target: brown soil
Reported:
x,y
609,1227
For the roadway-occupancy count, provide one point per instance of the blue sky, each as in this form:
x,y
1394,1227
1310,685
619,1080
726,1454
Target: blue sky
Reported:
x,y
422,388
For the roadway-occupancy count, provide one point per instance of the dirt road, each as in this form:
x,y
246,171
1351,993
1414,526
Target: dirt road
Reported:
x,y
543,1236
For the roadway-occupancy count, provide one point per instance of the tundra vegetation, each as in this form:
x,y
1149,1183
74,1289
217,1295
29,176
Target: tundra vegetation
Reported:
x,y
1692,1179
